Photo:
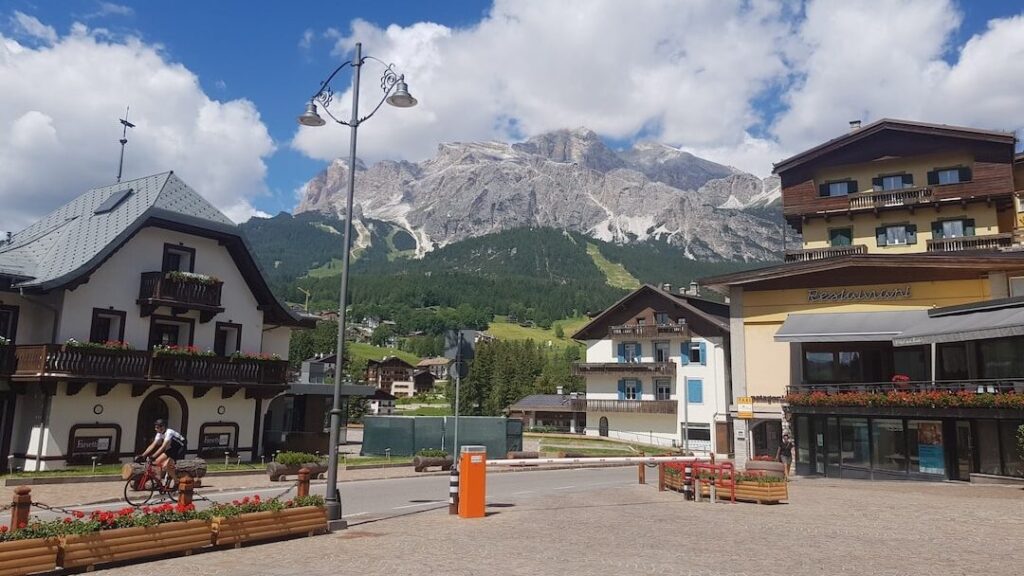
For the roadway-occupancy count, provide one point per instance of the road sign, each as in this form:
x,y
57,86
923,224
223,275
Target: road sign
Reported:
x,y
745,407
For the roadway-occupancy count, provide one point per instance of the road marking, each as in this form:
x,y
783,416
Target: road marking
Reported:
x,y
563,487
418,504
523,492
354,515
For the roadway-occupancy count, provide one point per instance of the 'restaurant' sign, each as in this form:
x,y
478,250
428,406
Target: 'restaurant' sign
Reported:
x,y
858,294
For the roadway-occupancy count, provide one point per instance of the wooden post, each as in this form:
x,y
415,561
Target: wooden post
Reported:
x,y
185,488
303,490
21,505
641,474
661,477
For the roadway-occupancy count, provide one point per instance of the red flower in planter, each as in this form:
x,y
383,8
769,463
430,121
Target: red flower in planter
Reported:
x,y
4,529
79,514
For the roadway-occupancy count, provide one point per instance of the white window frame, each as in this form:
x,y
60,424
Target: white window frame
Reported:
x,y
834,188
667,348
889,179
695,351
630,389
630,352
662,389
896,240
1015,285
954,171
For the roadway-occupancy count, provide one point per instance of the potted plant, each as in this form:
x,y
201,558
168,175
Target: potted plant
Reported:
x,y
174,350
106,345
192,278
255,356
431,457
252,519
289,464
752,486
24,550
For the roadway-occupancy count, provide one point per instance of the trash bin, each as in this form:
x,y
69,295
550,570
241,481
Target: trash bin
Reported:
x,y
472,481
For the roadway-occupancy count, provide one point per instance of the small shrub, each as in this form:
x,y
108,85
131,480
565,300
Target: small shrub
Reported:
x,y
297,459
1020,440
432,453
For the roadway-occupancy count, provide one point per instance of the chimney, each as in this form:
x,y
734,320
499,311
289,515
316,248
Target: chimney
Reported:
x,y
854,125
666,287
559,390
694,288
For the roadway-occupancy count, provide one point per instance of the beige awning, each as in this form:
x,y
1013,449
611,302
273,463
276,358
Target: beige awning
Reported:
x,y
848,326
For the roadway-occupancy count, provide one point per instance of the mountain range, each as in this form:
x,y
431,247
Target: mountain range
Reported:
x,y
568,180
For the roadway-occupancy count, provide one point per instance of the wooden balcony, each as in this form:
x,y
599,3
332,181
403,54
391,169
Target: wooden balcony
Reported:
x,y
55,362
812,254
631,406
875,199
649,330
164,289
584,368
988,242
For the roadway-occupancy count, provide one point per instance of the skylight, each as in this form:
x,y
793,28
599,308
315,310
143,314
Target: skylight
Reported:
x,y
113,201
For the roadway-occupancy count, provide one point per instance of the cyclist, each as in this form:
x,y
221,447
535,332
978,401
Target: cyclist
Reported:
x,y
167,447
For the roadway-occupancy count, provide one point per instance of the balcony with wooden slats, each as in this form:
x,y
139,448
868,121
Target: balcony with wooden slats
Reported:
x,y
813,254
630,406
664,330
164,289
875,199
584,368
986,242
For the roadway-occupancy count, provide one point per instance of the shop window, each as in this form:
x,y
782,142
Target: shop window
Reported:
x,y
663,389
927,451
107,325
661,351
896,235
853,434
694,390
890,443
838,237
988,447
1013,465
803,440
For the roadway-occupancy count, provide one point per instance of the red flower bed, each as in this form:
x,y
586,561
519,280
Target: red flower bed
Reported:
x,y
907,399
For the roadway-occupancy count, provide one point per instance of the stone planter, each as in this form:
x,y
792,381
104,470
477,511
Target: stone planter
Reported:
x,y
277,471
18,557
256,526
421,463
88,550
762,493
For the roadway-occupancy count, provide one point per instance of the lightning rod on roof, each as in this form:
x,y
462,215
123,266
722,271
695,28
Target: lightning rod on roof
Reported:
x,y
124,140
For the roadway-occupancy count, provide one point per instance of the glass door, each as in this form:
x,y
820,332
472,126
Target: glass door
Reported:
x,y
964,450
833,453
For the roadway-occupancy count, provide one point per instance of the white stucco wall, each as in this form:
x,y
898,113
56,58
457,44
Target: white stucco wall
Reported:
x,y
276,341
35,316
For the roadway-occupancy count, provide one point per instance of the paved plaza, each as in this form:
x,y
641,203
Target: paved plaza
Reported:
x,y
830,527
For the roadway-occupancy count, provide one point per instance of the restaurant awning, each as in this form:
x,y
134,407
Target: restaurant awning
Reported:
x,y
994,322
848,326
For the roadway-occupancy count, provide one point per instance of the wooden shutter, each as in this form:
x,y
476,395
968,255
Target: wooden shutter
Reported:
x,y
969,229
937,230
965,174
622,352
703,354
876,183
684,353
851,186
823,190
622,389
908,180
933,178
911,233
880,235
639,389
639,352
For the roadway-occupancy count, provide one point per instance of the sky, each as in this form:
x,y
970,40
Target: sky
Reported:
x,y
215,87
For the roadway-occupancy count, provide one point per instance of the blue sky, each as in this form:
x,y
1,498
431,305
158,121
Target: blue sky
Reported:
x,y
741,82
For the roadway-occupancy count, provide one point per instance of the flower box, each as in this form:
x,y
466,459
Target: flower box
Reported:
x,y
19,557
269,525
88,550
746,491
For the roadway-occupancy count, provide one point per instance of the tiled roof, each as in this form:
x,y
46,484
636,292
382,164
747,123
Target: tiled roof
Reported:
x,y
543,402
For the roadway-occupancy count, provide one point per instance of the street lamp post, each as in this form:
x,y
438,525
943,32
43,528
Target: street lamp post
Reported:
x,y
396,93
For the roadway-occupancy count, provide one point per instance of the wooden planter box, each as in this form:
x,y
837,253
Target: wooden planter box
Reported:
x,y
88,550
674,482
18,557
421,463
751,492
277,471
307,520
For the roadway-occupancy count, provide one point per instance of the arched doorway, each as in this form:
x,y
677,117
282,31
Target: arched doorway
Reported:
x,y
602,426
165,403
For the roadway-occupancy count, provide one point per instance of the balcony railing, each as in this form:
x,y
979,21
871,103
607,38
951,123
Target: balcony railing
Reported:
x,y
983,386
889,198
632,406
164,289
988,242
583,368
812,254
54,361
649,330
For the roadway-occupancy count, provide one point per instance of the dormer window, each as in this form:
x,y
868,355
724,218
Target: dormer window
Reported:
x,y
178,259
840,188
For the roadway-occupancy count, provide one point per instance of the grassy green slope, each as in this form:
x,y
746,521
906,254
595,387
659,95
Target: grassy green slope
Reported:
x,y
361,351
618,276
502,329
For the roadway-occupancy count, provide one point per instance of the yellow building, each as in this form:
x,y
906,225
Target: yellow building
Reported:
x,y
888,353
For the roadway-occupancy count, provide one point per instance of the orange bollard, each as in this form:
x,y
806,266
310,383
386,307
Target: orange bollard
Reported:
x,y
473,482
641,474
21,505
303,488
661,477
186,487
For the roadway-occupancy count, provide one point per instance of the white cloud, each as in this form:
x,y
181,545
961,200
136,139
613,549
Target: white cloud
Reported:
x,y
694,74
59,141
307,39
31,26
111,9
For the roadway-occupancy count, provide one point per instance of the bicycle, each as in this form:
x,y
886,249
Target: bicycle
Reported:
x,y
140,488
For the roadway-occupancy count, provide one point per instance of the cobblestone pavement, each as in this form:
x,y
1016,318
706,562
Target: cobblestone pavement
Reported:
x,y
830,527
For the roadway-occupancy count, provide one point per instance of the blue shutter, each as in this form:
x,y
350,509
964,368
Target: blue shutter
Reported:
x,y
622,389
695,391
622,352
684,353
639,390
703,353
639,352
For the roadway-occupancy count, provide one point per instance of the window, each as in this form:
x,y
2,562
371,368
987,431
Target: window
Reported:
x,y
912,361
828,363
953,228
698,431
179,259
661,319
1017,286
853,433
840,237
945,176
952,361
896,235
1001,357
1013,464
8,322
663,389
661,352
169,331
841,188
695,352
694,391
890,445
927,455
893,182
228,339
107,325
631,389
630,352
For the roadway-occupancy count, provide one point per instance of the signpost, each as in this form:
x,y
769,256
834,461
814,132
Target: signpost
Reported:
x,y
745,407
